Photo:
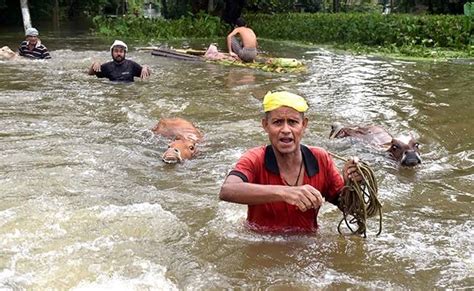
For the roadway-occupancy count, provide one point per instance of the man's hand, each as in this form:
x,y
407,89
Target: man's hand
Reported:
x,y
304,197
145,72
234,55
95,67
350,172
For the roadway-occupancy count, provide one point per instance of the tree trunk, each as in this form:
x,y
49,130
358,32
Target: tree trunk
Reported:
x,y
232,11
164,8
25,12
210,6
335,6
56,14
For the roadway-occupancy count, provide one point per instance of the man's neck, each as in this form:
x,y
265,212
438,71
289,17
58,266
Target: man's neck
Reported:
x,y
31,45
289,160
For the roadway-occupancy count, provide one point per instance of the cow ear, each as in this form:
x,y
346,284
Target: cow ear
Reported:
x,y
386,146
336,128
196,150
155,128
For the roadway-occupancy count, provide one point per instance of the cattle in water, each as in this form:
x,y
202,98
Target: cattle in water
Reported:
x,y
184,139
7,54
403,149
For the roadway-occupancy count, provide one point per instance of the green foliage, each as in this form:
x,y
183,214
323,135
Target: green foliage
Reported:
x,y
469,9
276,65
424,36
407,51
177,8
135,6
398,30
272,6
201,25
93,7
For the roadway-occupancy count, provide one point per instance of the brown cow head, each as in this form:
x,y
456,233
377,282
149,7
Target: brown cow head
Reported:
x,y
405,150
178,150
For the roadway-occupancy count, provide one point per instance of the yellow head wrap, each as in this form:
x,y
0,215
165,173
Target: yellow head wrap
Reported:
x,y
275,100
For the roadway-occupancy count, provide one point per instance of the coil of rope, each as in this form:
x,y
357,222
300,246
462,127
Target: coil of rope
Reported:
x,y
359,200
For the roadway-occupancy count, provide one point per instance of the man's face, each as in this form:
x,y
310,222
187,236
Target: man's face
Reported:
x,y
285,127
118,54
32,39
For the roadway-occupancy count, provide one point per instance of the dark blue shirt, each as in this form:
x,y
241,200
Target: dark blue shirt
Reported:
x,y
123,72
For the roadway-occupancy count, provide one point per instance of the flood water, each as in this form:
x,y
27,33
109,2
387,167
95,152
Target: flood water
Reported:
x,y
86,203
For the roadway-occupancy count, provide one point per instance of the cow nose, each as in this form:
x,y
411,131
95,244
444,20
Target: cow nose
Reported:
x,y
411,162
172,156
411,159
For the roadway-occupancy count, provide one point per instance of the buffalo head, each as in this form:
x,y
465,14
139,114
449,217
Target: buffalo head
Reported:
x,y
178,150
405,150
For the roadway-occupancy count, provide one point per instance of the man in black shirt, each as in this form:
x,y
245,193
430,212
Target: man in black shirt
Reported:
x,y
119,69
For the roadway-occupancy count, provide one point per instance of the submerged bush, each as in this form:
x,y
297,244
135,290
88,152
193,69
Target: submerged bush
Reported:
x,y
401,30
399,33
202,25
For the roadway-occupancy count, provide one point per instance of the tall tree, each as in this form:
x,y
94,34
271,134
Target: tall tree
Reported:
x,y
56,14
335,6
25,12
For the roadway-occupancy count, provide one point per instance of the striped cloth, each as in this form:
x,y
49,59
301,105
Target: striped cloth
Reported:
x,y
247,55
38,52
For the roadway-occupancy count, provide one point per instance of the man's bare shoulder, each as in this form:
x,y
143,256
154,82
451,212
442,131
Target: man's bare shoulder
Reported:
x,y
238,29
249,29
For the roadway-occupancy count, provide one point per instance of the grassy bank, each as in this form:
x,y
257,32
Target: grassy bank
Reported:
x,y
440,36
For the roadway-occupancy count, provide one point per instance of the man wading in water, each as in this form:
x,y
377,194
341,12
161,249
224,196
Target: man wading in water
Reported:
x,y
120,69
285,183
32,47
246,48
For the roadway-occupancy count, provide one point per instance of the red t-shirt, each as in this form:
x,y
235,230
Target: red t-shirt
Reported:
x,y
259,166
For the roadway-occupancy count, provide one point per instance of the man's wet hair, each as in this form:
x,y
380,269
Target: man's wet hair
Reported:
x,y
239,22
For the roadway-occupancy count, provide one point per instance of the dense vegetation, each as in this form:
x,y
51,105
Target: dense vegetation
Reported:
x,y
425,35
360,25
201,25
420,36
173,9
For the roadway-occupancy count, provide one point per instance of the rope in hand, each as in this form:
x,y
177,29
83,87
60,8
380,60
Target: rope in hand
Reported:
x,y
359,200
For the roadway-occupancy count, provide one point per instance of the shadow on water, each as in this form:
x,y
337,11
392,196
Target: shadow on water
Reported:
x,y
87,203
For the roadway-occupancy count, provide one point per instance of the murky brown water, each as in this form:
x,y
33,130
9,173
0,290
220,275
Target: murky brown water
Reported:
x,y
86,203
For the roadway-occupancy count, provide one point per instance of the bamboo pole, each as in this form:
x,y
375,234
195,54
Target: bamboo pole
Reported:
x,y
25,12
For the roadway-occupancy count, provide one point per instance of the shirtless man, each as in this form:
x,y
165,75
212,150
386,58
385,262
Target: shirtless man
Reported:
x,y
244,49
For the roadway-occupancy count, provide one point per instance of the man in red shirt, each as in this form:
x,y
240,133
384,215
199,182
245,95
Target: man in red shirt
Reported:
x,y
285,183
